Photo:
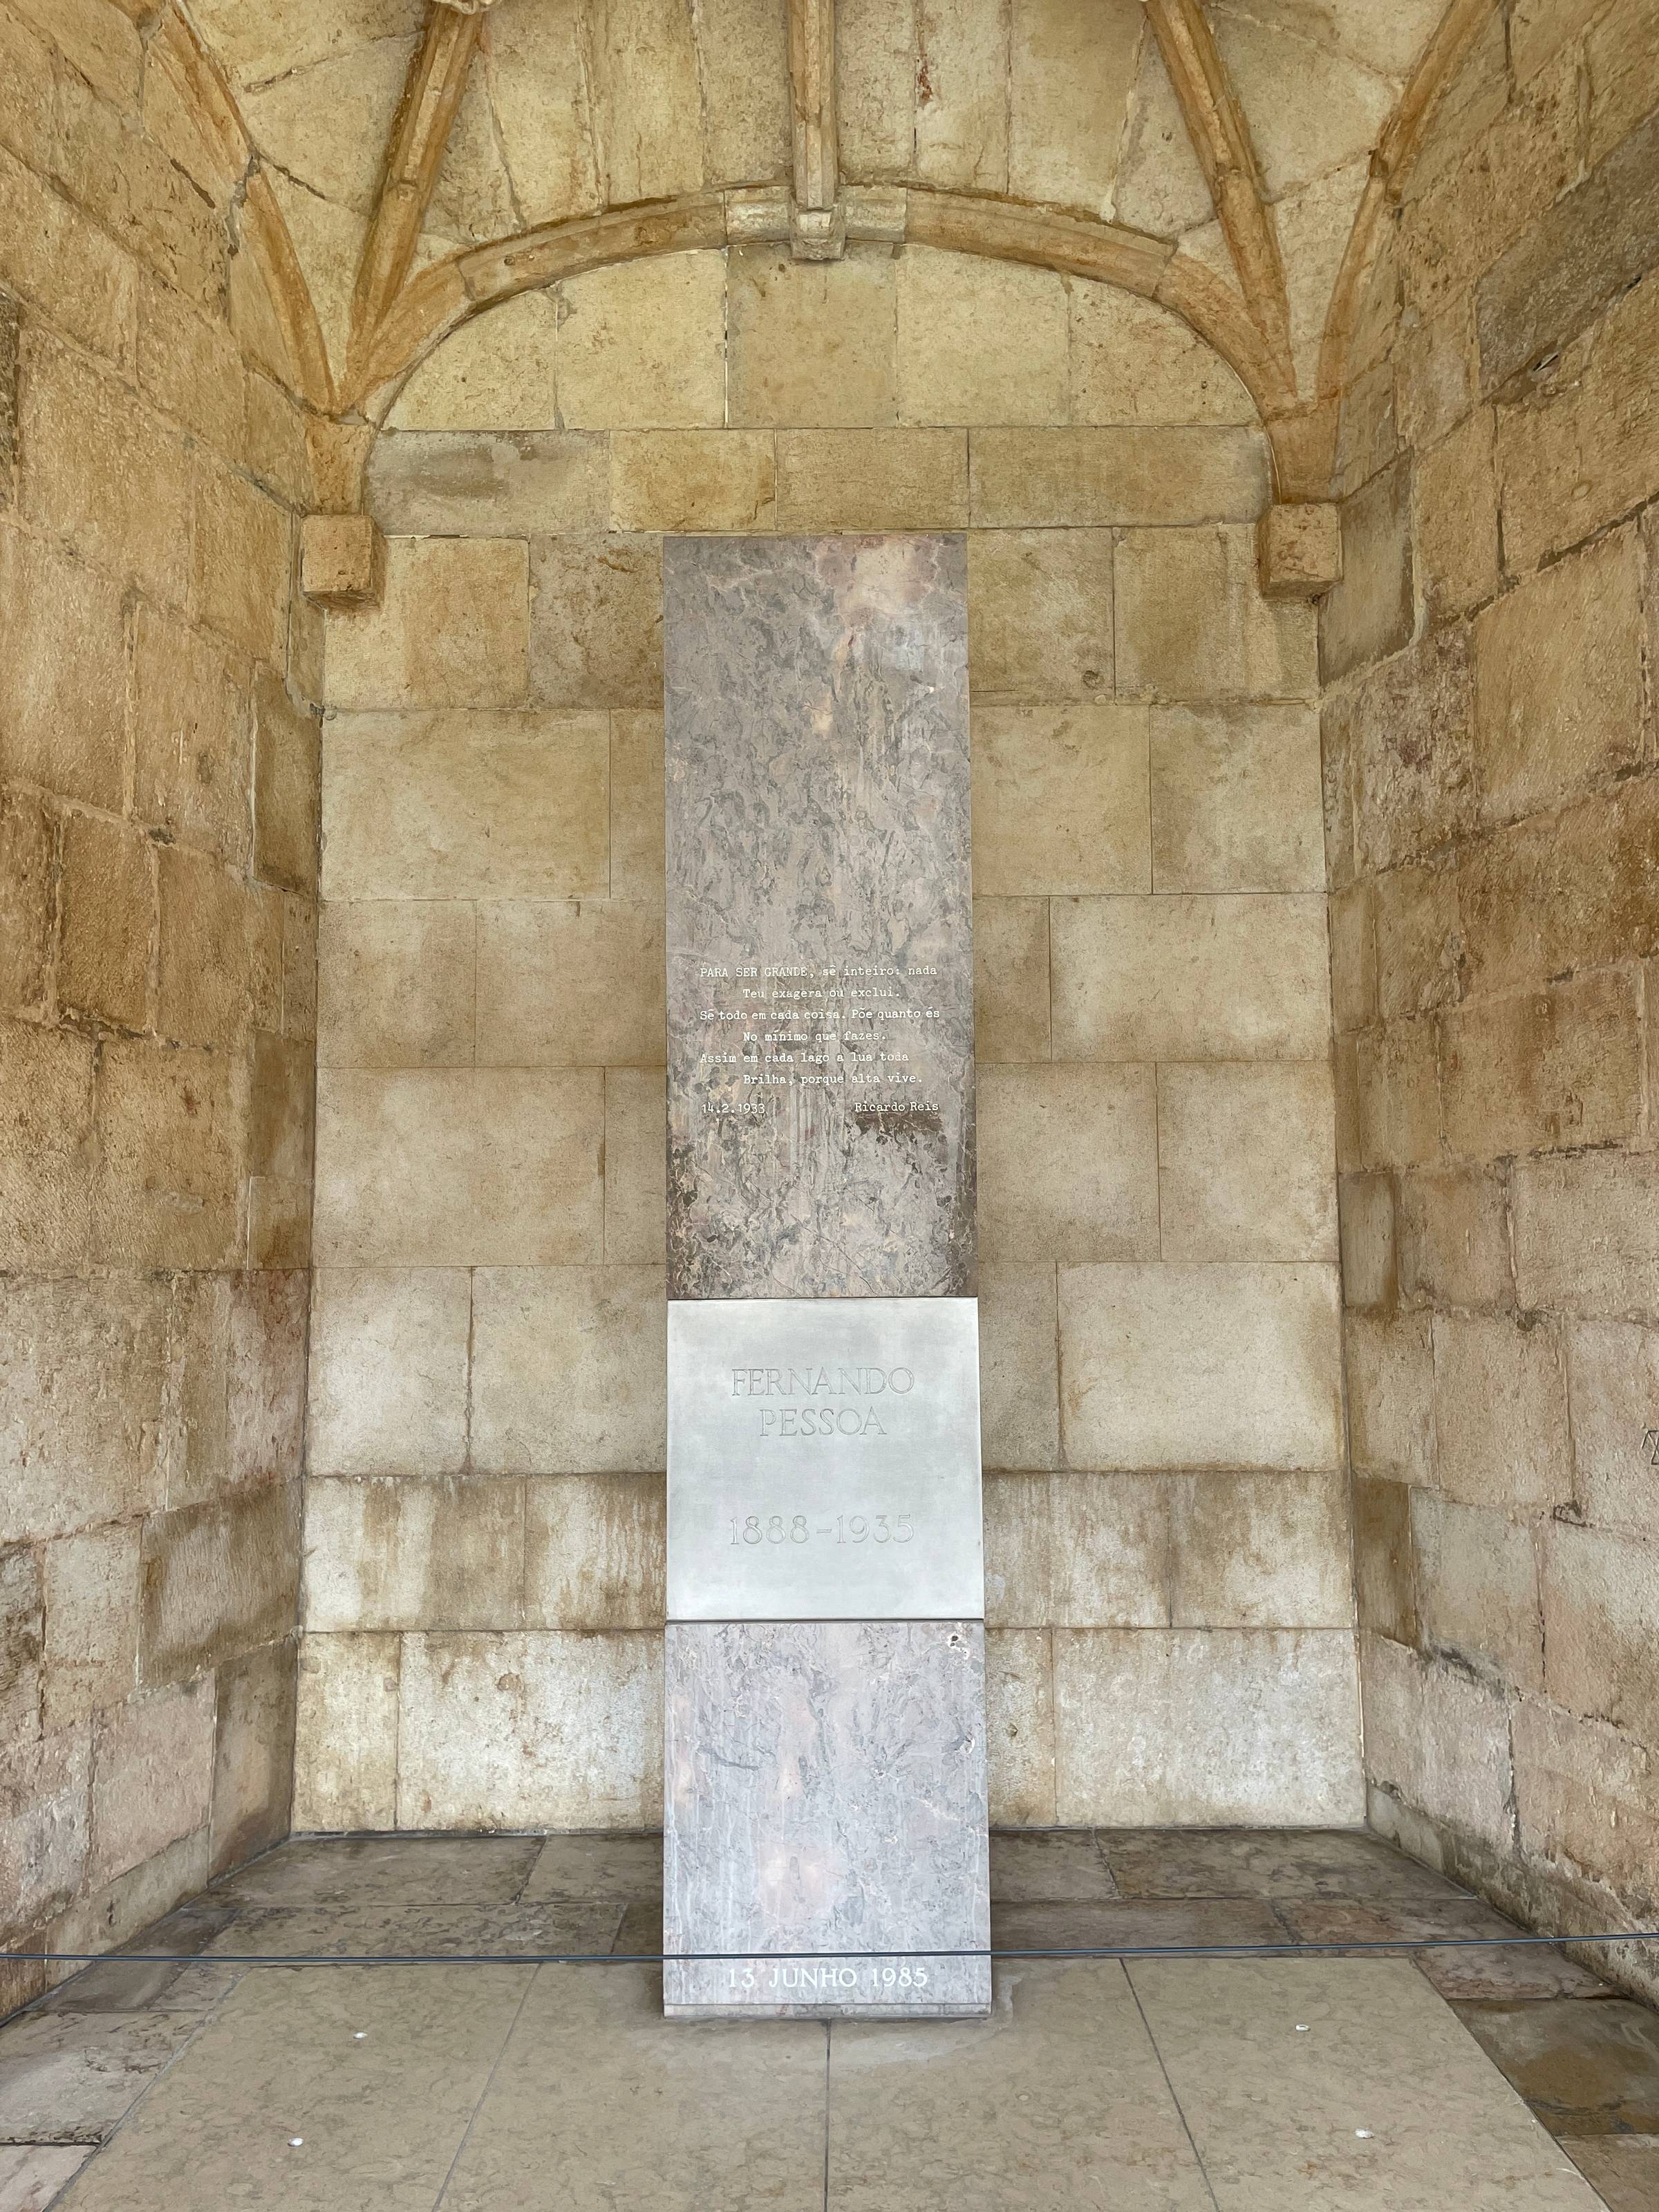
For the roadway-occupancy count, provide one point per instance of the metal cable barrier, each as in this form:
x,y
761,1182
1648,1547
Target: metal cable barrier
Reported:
x,y
1391,1946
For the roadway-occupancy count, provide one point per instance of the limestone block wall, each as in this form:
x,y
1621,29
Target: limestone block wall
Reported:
x,y
1169,1594
158,796
1492,828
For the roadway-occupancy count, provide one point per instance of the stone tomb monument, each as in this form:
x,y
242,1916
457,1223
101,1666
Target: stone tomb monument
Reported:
x,y
825,1793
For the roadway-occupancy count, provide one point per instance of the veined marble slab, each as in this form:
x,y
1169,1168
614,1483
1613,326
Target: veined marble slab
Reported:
x,y
819,918
823,1460
825,1797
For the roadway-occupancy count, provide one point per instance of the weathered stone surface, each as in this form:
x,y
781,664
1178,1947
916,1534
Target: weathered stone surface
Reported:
x,y
102,470
641,345
476,484
454,1167
1418,940
1454,1239
1439,1737
1580,446
799,923
46,1086
593,1552
1019,1370
1059,800
108,908
1407,729
567,1370
1368,615
596,620
395,980
189,742
1039,614
636,1170
572,1740
1175,1366
1384,1565
1257,1551
498,374
1586,1233
1594,243
388,1380
1134,362
561,982
91,1587
1236,800
1011,979
1019,1726
1586,1792
1127,476
1613,1370
253,1752
978,341
63,682
872,480
1390,1378
217,1579
1600,1595
1266,1723
1549,1068
392,1551
450,630
287,772
84,1371
345,1757
1497,1378
1189,978
1477,1589
681,480
810,343
1558,681
1068,1164
1456,519
1211,1119
863,1741
152,1776
1369,1244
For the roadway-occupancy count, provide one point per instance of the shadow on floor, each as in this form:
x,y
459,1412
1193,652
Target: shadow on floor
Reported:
x,y
1365,2082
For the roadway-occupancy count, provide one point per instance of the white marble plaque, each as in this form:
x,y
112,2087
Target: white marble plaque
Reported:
x,y
823,1460
825,1820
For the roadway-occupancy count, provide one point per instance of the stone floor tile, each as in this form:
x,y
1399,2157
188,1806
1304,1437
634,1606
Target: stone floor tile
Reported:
x,y
640,1932
398,1870
71,2077
587,1867
1265,1863
1586,2070
599,2104
1524,1971
445,1931
1057,2101
1343,2085
1133,1924
379,2119
31,2175
1048,1866
1624,2169
112,1986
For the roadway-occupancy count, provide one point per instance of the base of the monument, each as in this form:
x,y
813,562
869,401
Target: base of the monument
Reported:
x,y
825,1829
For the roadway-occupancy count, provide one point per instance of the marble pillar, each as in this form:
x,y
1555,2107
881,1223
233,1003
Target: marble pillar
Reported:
x,y
825,1807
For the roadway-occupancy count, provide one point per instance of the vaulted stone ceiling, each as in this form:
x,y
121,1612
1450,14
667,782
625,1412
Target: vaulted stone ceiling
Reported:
x,y
400,135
